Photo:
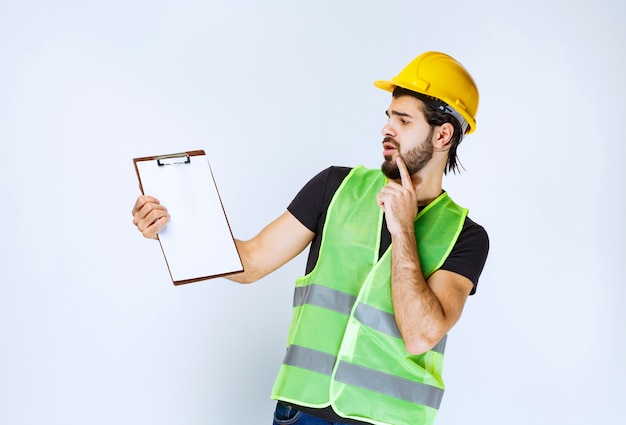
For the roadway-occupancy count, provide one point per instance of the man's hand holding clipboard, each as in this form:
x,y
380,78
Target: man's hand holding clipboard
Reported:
x,y
149,216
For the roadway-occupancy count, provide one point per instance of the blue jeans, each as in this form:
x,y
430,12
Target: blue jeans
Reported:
x,y
285,415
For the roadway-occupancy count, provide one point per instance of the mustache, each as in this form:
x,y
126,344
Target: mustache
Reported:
x,y
391,141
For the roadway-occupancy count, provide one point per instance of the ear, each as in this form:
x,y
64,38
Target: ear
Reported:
x,y
443,135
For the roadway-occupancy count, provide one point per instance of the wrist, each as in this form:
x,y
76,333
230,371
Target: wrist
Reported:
x,y
403,234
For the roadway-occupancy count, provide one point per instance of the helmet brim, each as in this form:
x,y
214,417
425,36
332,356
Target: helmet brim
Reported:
x,y
385,85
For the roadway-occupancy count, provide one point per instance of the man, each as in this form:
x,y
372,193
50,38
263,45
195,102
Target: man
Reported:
x,y
391,264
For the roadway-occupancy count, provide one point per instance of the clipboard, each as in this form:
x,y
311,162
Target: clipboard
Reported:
x,y
197,242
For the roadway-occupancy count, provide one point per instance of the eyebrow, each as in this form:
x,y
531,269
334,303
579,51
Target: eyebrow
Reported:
x,y
398,114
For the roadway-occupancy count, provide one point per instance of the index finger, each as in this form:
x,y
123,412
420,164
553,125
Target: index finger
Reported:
x,y
405,177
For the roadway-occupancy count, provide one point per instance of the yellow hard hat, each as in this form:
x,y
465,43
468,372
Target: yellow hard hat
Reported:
x,y
440,76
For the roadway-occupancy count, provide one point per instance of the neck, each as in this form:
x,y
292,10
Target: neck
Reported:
x,y
428,194
431,179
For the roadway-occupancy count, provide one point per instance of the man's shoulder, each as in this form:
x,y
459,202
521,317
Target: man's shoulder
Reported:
x,y
475,229
337,172
329,179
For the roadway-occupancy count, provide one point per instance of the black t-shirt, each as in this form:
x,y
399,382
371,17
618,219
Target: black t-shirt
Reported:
x,y
310,205
467,257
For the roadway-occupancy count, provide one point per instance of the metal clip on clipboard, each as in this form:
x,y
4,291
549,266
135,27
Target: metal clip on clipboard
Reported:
x,y
173,159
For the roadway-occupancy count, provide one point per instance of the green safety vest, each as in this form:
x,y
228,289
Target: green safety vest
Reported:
x,y
344,348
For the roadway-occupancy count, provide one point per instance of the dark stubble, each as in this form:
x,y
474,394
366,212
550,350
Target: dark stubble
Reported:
x,y
415,159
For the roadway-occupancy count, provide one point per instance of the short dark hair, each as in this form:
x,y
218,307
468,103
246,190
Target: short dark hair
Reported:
x,y
435,117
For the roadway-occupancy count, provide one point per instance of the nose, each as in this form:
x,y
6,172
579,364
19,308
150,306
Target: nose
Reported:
x,y
388,130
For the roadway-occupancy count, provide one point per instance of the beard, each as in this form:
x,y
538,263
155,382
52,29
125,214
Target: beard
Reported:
x,y
415,159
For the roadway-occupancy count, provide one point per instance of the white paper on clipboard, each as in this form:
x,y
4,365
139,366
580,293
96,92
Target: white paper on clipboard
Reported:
x,y
197,242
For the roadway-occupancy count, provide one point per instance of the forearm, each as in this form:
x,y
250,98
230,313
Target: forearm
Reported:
x,y
252,266
419,314
276,244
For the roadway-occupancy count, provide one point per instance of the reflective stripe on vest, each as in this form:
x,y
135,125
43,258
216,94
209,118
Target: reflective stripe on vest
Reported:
x,y
371,379
325,297
384,383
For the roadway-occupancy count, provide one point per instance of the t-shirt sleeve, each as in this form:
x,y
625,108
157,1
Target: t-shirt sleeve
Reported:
x,y
310,204
470,252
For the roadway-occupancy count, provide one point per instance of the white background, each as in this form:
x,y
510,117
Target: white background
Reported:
x,y
93,332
